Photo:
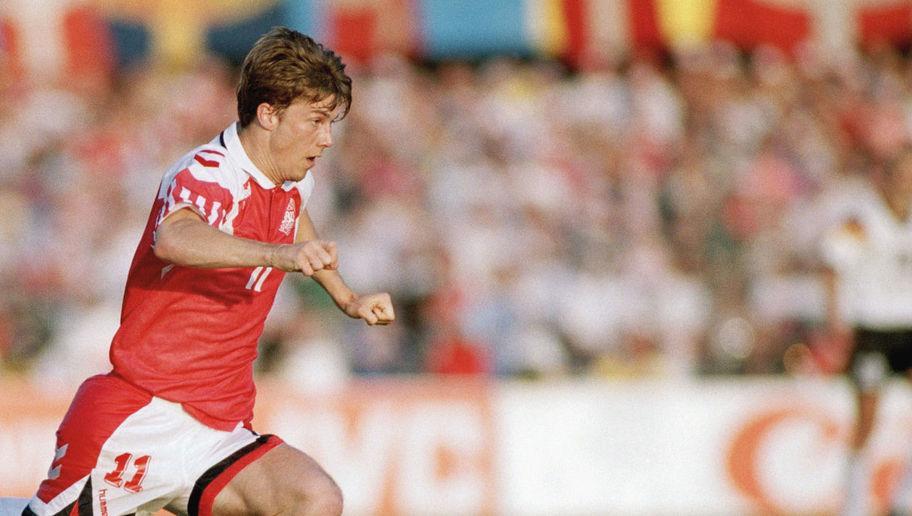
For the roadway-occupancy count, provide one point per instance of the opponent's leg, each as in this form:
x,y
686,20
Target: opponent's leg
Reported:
x,y
901,499
867,403
268,477
869,370
858,480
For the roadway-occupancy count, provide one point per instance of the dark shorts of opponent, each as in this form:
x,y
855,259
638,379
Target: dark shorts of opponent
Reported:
x,y
878,354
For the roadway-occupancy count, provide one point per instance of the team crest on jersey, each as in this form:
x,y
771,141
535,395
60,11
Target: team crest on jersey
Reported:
x,y
288,220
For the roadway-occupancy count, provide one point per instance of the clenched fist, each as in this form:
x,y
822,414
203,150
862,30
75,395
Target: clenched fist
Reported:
x,y
308,257
373,308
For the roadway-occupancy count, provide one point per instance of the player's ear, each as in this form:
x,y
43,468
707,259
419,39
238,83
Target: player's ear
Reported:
x,y
267,116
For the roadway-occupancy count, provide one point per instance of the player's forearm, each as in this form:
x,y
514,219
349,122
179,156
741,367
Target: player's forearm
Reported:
x,y
332,283
192,243
329,279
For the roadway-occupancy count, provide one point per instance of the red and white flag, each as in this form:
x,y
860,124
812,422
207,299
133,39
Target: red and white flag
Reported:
x,y
52,40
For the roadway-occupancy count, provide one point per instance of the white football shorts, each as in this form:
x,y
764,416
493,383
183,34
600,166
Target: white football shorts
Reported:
x,y
122,451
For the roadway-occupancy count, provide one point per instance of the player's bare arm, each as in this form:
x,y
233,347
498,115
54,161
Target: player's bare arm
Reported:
x,y
185,239
374,309
206,457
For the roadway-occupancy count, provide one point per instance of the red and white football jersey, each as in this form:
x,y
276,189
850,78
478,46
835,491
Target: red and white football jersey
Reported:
x,y
189,335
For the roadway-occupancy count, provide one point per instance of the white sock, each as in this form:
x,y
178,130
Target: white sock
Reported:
x,y
858,481
12,506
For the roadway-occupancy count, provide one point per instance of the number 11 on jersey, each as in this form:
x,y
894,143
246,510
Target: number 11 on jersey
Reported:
x,y
257,277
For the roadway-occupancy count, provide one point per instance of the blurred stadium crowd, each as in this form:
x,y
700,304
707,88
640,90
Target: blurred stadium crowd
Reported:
x,y
654,216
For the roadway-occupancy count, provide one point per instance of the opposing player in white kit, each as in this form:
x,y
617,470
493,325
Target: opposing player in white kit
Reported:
x,y
869,255
170,425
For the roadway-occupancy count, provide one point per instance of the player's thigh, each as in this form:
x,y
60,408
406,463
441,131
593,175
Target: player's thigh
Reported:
x,y
284,480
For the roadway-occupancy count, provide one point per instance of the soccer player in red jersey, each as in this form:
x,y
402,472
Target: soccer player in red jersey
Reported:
x,y
170,425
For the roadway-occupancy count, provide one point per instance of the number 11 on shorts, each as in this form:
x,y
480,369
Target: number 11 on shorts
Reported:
x,y
122,461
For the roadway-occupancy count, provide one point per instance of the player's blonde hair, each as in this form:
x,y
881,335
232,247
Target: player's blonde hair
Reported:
x,y
285,65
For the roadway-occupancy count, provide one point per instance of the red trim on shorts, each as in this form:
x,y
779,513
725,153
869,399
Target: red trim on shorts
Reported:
x,y
217,484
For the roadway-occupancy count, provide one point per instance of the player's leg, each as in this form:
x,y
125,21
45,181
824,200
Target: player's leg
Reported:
x,y
857,501
866,405
281,480
901,495
100,406
869,370
901,360
118,450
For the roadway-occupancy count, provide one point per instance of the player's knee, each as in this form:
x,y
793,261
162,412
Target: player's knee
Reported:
x,y
320,495
327,496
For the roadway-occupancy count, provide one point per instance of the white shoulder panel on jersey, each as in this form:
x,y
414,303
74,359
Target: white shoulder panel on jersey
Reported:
x,y
205,164
305,187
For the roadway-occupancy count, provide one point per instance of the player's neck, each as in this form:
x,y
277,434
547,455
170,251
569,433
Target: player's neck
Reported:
x,y
256,144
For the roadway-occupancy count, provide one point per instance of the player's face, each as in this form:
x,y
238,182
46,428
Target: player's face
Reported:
x,y
303,132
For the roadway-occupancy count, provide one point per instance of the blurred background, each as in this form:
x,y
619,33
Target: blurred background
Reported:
x,y
599,221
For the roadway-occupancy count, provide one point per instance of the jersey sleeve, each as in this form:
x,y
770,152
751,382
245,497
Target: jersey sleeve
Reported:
x,y
204,186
